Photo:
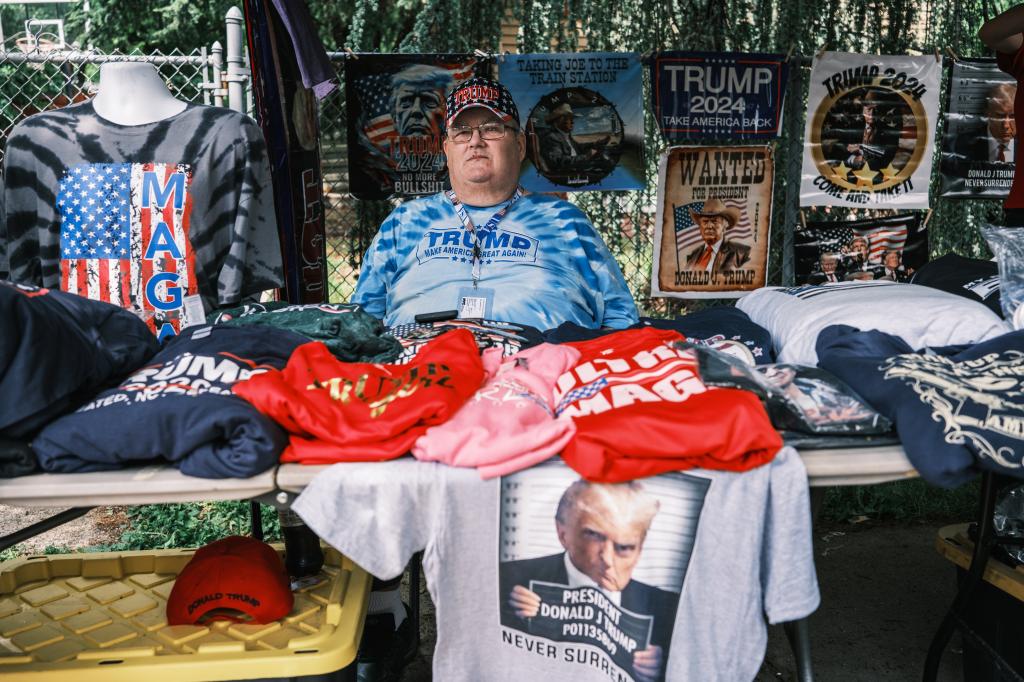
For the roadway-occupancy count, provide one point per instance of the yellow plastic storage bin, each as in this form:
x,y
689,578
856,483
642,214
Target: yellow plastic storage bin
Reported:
x,y
102,618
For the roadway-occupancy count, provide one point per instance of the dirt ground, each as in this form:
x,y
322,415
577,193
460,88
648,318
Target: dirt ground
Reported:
x,y
884,590
102,525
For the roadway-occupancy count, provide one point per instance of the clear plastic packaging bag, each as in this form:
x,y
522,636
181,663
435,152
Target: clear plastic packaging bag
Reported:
x,y
1008,520
1007,243
797,397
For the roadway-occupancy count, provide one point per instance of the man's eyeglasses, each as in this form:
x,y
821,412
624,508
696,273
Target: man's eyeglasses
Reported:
x,y
488,131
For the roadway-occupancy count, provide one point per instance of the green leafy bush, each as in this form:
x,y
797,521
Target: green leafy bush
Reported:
x,y
168,526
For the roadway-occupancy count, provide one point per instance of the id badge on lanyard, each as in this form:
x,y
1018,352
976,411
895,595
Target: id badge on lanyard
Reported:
x,y
490,226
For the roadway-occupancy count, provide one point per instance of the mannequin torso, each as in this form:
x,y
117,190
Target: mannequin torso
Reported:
x,y
132,94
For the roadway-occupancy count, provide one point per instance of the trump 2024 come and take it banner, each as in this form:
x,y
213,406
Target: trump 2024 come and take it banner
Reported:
x,y
870,124
979,142
718,95
713,220
395,107
584,119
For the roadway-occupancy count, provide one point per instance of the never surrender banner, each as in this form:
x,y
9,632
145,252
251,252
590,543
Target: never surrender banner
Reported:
x,y
395,107
870,123
584,119
978,145
718,95
714,217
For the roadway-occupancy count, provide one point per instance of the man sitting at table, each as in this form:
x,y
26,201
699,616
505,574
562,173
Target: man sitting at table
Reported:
x,y
486,248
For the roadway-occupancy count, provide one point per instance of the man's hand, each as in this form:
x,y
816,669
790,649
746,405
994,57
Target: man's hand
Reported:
x,y
647,664
525,602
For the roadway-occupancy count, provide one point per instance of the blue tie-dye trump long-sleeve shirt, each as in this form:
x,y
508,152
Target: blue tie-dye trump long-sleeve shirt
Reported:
x,y
545,263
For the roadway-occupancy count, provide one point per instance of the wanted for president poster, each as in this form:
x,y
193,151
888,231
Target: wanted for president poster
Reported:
x,y
713,221
870,124
395,106
719,95
978,145
584,119
614,616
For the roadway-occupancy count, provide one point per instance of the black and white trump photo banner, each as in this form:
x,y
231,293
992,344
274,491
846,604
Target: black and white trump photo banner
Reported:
x,y
584,119
718,95
713,220
870,124
978,145
395,106
555,588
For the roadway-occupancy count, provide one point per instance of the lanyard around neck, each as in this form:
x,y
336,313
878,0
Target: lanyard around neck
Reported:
x,y
490,225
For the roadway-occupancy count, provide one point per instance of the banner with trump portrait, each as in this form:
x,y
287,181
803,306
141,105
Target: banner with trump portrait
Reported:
x,y
889,247
395,106
713,221
870,124
981,130
583,116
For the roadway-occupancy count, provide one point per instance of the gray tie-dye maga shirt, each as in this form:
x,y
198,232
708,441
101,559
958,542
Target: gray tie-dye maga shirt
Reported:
x,y
141,216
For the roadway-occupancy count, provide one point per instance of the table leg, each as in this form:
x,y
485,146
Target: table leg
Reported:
x,y
979,560
256,520
798,633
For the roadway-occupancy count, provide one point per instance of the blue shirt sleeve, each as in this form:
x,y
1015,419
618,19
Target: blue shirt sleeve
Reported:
x,y
619,308
378,270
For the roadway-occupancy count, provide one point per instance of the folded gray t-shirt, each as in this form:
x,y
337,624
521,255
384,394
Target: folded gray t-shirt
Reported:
x,y
724,553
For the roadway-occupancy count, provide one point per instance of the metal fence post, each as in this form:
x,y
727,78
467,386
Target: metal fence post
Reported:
x,y
217,52
794,160
235,59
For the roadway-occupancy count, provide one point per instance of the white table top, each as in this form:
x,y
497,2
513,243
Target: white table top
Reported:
x,y
163,484
145,485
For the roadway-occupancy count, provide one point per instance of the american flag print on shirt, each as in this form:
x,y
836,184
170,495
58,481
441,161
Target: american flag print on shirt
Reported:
x,y
124,237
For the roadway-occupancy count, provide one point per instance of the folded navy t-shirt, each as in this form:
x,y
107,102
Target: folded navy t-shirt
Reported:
x,y
957,410
179,408
971,278
57,350
724,328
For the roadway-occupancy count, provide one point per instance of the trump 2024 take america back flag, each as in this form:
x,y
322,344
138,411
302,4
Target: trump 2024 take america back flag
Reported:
x,y
124,237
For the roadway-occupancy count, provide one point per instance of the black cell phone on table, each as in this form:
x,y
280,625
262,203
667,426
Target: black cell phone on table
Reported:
x,y
439,316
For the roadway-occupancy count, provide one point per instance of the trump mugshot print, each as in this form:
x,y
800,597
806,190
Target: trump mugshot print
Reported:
x,y
591,573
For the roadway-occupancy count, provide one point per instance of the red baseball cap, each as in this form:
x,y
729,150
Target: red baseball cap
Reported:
x,y
481,92
235,578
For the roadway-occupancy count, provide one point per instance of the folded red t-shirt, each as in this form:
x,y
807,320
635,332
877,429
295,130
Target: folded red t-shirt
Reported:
x,y
355,411
641,409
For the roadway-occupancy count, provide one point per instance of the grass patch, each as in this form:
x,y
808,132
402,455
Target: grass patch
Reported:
x,y
169,526
172,526
15,552
913,500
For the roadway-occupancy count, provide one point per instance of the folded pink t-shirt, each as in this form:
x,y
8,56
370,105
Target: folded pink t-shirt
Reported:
x,y
510,423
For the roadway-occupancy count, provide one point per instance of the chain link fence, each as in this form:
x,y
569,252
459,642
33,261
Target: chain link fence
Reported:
x,y
624,219
35,81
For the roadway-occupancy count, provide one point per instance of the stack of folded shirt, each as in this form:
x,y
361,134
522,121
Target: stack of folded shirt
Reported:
x,y
351,411
179,408
510,423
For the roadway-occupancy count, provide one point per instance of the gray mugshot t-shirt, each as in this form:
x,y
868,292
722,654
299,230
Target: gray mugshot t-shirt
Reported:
x,y
724,552
141,216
